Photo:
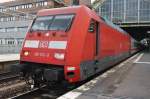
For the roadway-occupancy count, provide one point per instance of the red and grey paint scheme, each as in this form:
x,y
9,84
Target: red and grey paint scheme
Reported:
x,y
82,45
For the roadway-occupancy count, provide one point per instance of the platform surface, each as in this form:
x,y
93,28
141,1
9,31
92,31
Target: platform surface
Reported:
x,y
128,80
9,57
137,83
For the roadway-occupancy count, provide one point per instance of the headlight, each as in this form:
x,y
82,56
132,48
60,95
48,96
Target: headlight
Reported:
x,y
59,56
71,68
26,53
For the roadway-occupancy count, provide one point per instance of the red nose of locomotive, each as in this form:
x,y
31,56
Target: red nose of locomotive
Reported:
x,y
49,47
46,41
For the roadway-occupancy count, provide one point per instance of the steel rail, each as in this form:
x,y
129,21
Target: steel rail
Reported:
x,y
8,76
26,93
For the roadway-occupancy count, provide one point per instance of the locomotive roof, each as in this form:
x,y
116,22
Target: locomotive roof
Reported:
x,y
68,10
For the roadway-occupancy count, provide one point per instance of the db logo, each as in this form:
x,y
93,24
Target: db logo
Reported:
x,y
43,44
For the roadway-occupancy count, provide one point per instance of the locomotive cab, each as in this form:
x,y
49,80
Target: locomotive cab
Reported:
x,y
46,40
45,46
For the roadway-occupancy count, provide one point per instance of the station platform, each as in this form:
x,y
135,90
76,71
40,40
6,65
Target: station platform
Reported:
x,y
6,60
9,57
127,80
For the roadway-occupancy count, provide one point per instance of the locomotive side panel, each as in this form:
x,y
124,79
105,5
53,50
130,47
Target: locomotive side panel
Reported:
x,y
113,42
113,47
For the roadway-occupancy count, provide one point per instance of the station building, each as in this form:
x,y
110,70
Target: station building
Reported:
x,y
131,15
126,11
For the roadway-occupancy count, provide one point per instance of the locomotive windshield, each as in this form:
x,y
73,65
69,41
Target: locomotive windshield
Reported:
x,y
57,22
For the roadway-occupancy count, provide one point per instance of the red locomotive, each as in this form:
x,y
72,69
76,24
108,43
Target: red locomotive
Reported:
x,y
71,44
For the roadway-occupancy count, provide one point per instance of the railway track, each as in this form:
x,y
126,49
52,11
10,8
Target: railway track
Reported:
x,y
11,86
25,94
9,83
8,76
40,93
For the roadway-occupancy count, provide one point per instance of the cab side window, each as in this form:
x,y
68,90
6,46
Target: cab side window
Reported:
x,y
92,26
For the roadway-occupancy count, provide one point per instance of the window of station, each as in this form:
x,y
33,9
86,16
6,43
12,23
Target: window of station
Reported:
x,y
1,19
4,10
30,5
45,3
19,41
2,30
22,29
11,29
41,3
12,8
24,6
1,10
7,19
14,29
17,7
1,41
23,17
106,9
10,41
37,4
10,18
